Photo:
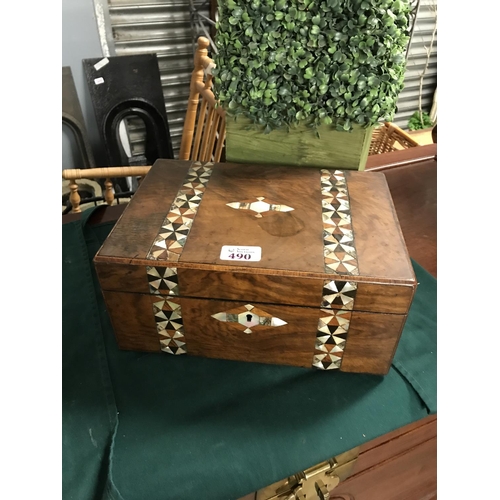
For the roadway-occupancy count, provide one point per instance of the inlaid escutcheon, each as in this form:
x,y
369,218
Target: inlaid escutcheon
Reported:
x,y
289,344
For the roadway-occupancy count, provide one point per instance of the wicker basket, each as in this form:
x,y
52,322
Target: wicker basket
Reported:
x,y
390,137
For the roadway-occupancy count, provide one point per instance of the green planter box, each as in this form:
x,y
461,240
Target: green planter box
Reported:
x,y
298,147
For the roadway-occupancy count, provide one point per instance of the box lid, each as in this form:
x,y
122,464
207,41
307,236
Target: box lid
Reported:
x,y
314,229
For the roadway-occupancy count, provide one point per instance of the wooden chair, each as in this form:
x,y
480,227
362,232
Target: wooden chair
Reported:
x,y
107,173
204,131
389,137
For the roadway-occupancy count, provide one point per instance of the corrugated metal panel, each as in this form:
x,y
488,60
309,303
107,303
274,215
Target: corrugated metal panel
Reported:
x,y
162,27
408,99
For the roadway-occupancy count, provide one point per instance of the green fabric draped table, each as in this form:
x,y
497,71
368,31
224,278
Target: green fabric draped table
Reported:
x,y
151,426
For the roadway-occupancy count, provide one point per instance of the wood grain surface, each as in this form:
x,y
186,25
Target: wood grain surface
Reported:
x,y
291,241
122,277
395,443
371,342
267,288
290,344
412,177
411,475
384,298
133,321
287,290
141,221
380,245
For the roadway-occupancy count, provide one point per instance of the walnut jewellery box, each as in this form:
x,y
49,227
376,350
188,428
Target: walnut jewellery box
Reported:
x,y
291,266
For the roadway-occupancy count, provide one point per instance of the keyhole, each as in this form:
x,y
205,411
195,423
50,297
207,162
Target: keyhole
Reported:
x,y
249,317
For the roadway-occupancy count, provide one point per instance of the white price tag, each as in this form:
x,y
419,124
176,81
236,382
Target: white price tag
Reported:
x,y
241,254
101,64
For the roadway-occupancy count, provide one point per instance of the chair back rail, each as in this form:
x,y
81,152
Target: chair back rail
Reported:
x,y
205,124
106,173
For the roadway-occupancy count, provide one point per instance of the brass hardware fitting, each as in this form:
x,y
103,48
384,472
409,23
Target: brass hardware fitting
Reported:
x,y
314,483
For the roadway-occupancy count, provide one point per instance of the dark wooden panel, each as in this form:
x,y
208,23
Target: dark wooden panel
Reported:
x,y
140,223
371,342
412,178
133,321
291,344
122,277
396,159
380,245
395,443
289,240
409,476
414,191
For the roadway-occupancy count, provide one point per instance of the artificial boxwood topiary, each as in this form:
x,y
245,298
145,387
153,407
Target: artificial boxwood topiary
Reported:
x,y
285,62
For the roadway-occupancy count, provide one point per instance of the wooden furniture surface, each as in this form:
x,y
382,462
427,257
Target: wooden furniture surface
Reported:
x,y
401,464
412,178
380,248
295,256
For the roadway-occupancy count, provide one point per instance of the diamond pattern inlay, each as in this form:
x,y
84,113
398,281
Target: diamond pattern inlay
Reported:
x,y
247,317
333,325
338,237
260,206
163,280
169,243
339,294
168,317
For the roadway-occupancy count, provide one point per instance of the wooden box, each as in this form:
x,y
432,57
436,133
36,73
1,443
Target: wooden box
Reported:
x,y
292,266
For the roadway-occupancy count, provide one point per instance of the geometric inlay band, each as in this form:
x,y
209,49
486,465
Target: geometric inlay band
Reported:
x,y
331,337
260,205
163,280
168,317
247,317
168,245
170,241
339,250
333,325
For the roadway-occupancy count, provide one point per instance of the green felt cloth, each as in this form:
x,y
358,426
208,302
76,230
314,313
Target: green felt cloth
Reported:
x,y
154,426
